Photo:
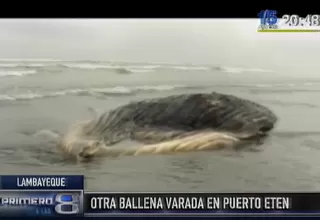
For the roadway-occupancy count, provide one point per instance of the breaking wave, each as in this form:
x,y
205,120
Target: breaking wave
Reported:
x,y
89,66
4,73
126,91
191,68
132,68
242,70
100,66
29,60
95,92
121,67
17,65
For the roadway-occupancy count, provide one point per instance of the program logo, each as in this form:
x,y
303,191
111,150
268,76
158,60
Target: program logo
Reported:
x,y
67,203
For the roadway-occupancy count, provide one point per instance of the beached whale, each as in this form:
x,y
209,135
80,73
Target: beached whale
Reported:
x,y
180,123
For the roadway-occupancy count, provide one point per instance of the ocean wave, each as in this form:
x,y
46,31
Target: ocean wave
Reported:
x,y
140,71
285,87
17,73
290,104
279,86
116,68
243,70
97,92
164,87
133,68
127,70
190,68
122,67
144,67
17,65
289,91
29,60
311,83
12,65
90,65
295,134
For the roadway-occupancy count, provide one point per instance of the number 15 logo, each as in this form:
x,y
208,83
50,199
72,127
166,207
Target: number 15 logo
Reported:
x,y
268,17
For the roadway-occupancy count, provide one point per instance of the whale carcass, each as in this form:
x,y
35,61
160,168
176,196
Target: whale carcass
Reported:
x,y
187,122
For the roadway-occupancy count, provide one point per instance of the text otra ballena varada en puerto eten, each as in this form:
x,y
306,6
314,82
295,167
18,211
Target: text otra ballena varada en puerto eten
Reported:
x,y
189,203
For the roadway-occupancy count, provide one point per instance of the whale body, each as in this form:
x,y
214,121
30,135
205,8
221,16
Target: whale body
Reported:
x,y
169,120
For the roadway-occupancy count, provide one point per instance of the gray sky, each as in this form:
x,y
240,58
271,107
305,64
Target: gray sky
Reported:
x,y
197,41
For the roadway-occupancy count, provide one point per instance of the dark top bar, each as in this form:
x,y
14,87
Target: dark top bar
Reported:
x,y
237,10
42,182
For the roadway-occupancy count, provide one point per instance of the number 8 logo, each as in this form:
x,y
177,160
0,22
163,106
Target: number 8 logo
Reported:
x,y
67,204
